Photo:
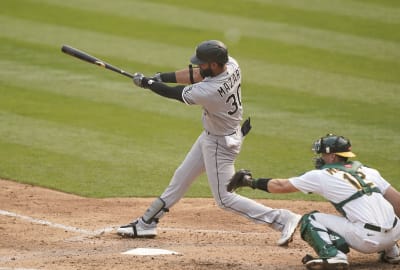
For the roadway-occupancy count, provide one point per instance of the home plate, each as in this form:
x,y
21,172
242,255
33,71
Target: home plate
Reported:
x,y
149,251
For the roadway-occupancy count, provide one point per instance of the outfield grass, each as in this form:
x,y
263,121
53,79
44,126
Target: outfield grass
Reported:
x,y
310,67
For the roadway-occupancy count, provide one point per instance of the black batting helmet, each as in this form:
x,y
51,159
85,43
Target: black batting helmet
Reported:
x,y
210,51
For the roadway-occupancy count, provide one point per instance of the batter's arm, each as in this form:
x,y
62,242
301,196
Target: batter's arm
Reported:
x,y
185,76
393,196
158,87
167,91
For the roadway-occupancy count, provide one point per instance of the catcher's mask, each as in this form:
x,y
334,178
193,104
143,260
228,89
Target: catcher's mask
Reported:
x,y
331,143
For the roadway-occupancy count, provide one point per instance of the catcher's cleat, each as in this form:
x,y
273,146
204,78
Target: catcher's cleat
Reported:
x,y
288,230
391,260
138,229
338,262
391,256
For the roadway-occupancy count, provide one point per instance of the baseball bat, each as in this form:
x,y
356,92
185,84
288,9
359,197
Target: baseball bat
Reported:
x,y
93,60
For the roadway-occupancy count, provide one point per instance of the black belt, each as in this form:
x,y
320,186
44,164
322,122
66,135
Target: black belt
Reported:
x,y
379,229
209,133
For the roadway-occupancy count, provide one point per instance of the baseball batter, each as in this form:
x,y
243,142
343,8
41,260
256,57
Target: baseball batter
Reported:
x,y
214,84
368,204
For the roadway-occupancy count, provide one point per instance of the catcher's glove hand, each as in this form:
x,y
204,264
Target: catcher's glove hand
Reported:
x,y
241,178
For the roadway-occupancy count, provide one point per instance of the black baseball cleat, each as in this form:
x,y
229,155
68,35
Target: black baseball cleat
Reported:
x,y
138,229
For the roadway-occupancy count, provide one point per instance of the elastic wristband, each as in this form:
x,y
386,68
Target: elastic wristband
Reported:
x,y
168,77
262,183
191,74
145,82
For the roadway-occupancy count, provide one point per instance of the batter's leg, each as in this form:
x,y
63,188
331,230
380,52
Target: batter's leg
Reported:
x,y
187,172
191,167
219,161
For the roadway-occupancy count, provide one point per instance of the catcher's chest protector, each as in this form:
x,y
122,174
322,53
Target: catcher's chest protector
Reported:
x,y
356,177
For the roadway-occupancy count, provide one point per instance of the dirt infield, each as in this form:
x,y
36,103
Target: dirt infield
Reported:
x,y
46,229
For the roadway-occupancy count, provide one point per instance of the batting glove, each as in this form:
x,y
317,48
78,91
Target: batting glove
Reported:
x,y
157,77
140,80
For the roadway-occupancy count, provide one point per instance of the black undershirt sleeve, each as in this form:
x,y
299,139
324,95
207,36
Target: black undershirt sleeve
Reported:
x,y
164,90
168,77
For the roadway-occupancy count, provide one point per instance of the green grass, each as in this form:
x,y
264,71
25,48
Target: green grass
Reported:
x,y
310,67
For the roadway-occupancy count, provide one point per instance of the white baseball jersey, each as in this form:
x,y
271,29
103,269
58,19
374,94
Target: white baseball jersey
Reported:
x,y
220,97
336,186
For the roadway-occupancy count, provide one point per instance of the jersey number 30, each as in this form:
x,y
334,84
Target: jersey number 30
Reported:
x,y
235,101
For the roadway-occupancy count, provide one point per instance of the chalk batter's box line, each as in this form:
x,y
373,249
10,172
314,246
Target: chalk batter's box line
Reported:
x,y
111,228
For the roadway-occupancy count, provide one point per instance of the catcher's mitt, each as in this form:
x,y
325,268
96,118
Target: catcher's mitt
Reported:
x,y
241,178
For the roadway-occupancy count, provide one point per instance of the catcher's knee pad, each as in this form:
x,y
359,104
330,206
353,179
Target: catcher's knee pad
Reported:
x,y
311,234
338,241
155,211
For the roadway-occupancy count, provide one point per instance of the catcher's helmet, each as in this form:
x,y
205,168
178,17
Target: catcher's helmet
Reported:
x,y
331,143
210,51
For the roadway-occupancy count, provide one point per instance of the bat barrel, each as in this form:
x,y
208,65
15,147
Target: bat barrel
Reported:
x,y
93,60
79,54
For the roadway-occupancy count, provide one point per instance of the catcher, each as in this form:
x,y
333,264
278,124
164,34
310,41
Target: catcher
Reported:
x,y
368,204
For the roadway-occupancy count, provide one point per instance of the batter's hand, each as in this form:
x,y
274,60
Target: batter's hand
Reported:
x,y
157,77
241,178
140,80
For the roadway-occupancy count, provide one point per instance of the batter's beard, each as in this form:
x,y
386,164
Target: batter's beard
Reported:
x,y
206,72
